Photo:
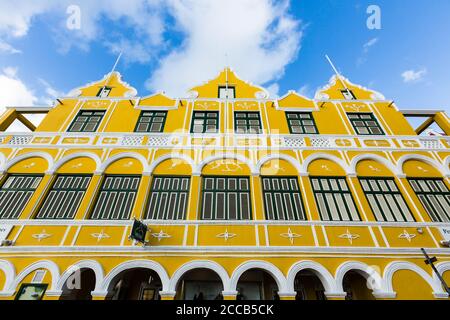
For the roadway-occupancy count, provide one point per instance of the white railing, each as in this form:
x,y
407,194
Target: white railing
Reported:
x,y
186,140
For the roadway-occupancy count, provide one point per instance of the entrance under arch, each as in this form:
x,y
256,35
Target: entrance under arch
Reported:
x,y
79,289
257,284
135,284
199,284
356,287
308,286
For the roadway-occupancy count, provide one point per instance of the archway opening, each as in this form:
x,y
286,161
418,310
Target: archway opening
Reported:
x,y
200,284
356,286
308,286
257,284
79,285
135,284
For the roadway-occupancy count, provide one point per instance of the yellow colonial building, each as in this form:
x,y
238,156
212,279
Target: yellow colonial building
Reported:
x,y
245,196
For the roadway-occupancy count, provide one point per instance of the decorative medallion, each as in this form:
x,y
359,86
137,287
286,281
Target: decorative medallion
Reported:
x,y
349,236
41,236
100,236
226,235
325,167
406,235
128,164
375,169
28,166
78,165
422,169
290,235
161,235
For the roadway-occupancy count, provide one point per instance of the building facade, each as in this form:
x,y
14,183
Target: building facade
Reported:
x,y
245,196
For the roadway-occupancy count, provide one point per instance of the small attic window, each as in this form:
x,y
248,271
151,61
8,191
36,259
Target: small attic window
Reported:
x,y
104,92
227,93
348,94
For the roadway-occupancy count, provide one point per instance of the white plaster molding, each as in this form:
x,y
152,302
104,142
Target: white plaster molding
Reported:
x,y
38,154
419,157
83,264
319,270
133,264
223,156
268,267
395,266
10,273
278,156
42,264
116,157
172,156
368,156
72,156
326,156
199,264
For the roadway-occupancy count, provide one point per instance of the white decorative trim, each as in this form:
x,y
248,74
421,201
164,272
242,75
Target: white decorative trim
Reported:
x,y
199,264
134,264
226,235
161,235
95,266
268,267
349,236
172,156
41,236
25,156
278,156
395,266
319,270
42,264
368,156
221,156
326,156
122,155
419,157
10,273
100,235
406,235
72,156
374,280
290,235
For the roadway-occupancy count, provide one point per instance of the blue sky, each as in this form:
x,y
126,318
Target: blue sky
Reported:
x,y
174,44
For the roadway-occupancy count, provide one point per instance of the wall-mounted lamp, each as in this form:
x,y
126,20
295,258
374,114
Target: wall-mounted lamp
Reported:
x,y
420,230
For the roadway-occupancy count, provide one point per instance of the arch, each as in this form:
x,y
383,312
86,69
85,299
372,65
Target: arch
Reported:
x,y
199,264
221,156
447,163
119,156
39,154
354,162
287,158
169,156
392,267
10,273
368,272
316,156
133,264
69,157
42,264
278,276
2,161
444,170
83,264
319,270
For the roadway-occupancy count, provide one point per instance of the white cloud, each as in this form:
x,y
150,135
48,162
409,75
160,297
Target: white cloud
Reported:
x,y
13,92
413,76
273,90
369,44
259,38
7,48
305,91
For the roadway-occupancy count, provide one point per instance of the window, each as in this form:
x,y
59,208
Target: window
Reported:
x,y
348,94
227,93
15,194
247,122
365,124
435,197
104,92
87,121
282,198
205,122
151,121
116,198
168,198
386,200
334,199
226,198
64,197
301,122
